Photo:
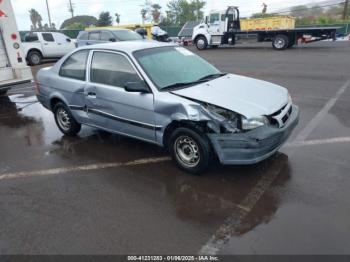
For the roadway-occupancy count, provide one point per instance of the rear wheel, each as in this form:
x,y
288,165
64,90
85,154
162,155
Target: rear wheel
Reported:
x,y
3,92
190,150
280,42
65,120
34,58
201,43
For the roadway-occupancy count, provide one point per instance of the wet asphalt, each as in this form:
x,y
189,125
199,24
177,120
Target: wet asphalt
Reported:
x,y
297,202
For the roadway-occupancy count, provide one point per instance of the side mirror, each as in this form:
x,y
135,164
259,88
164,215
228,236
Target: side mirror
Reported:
x,y
68,40
112,40
139,86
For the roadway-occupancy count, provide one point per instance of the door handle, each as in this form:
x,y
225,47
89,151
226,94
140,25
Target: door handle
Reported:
x,y
45,43
91,94
59,43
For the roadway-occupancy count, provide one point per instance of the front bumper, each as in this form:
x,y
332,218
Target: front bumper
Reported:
x,y
253,146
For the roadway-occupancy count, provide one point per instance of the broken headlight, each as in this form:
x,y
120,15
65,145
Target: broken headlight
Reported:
x,y
224,121
252,123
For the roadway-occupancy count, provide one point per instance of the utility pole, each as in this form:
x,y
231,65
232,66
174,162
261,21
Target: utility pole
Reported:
x,y
71,8
48,14
345,12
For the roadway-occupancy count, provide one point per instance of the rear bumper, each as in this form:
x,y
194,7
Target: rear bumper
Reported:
x,y
44,101
253,146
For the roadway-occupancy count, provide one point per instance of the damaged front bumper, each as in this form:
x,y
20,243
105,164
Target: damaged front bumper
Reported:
x,y
253,146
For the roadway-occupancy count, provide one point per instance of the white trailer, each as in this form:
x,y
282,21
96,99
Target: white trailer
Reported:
x,y
13,66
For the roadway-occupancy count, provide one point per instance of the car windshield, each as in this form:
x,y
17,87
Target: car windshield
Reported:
x,y
174,67
127,35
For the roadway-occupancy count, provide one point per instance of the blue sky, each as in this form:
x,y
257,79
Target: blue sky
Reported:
x,y
129,9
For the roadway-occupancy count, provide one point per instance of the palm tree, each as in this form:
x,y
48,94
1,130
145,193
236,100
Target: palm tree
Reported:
x,y
35,18
33,15
117,18
144,14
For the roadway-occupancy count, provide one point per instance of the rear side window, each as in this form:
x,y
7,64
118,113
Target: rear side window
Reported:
x,y
75,66
106,36
84,36
112,69
94,36
31,37
48,37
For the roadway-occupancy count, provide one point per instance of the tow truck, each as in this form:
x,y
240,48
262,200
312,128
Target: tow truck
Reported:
x,y
13,66
224,27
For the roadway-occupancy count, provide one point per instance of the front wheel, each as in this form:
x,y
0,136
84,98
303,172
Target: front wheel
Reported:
x,y
65,120
190,150
201,43
280,42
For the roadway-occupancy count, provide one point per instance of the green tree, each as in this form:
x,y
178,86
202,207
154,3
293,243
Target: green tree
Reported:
x,y
104,19
182,11
84,20
76,26
155,11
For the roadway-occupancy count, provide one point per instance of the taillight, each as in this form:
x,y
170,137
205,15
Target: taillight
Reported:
x,y
37,87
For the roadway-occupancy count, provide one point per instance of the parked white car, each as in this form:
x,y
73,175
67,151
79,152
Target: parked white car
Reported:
x,y
41,45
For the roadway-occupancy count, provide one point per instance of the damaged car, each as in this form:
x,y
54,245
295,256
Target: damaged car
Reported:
x,y
164,94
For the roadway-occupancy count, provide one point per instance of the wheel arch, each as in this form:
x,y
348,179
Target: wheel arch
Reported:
x,y
197,126
201,35
55,98
34,50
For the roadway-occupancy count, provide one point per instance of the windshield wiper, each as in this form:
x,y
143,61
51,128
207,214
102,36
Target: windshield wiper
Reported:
x,y
177,85
201,80
211,76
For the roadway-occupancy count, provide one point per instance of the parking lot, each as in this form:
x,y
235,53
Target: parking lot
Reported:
x,y
100,193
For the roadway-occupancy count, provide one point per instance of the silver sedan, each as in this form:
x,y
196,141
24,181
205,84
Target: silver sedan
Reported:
x,y
164,94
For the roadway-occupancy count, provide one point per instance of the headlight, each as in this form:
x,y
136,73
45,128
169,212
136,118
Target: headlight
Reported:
x,y
225,120
249,124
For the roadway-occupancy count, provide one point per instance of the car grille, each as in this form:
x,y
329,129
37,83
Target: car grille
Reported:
x,y
280,118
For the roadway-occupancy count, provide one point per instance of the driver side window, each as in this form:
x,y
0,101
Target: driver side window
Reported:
x,y
214,18
112,69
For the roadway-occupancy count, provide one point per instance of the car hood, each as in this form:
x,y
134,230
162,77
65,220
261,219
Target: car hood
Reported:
x,y
246,96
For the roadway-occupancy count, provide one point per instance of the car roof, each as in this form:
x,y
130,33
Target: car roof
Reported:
x,y
128,46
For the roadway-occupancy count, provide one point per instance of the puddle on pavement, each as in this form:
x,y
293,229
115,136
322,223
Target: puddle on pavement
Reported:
x,y
206,199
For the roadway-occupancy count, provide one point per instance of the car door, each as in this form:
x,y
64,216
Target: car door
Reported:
x,y
49,46
110,105
64,44
71,83
214,24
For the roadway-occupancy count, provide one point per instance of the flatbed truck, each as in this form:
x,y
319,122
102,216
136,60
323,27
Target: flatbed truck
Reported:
x,y
223,28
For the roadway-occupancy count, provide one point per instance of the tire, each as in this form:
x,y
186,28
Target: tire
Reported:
x,y
280,42
201,42
190,150
34,58
65,120
3,92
